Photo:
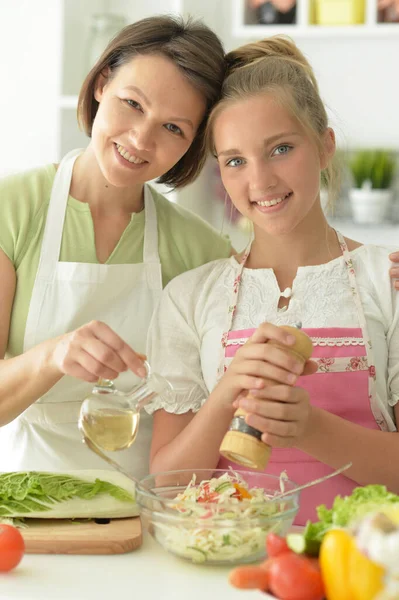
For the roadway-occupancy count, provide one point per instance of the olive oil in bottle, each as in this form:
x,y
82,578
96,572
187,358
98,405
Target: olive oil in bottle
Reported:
x,y
110,418
111,429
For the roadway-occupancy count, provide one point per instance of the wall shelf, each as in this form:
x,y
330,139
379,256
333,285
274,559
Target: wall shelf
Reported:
x,y
246,27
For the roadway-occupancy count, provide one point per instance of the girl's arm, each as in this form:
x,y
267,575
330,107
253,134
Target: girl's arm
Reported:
x,y
371,452
90,352
192,441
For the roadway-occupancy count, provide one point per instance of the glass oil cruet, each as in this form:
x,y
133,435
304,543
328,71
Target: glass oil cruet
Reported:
x,y
110,418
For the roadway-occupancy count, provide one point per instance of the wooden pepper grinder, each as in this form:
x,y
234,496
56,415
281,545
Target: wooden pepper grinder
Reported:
x,y
242,444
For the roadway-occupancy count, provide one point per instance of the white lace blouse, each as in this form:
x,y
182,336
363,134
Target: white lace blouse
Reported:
x,y
184,340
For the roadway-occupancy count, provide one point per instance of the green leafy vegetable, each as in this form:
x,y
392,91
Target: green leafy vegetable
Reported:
x,y
362,501
346,510
57,495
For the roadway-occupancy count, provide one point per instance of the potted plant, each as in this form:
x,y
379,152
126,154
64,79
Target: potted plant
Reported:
x,y
373,173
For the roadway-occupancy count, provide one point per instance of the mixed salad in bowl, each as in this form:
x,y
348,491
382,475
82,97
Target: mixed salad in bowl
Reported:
x,y
221,519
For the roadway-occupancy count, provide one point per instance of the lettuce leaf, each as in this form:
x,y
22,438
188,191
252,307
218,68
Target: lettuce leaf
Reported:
x,y
345,511
362,501
58,495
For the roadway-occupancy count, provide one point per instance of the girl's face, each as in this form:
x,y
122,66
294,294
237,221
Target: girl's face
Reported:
x,y
147,117
269,166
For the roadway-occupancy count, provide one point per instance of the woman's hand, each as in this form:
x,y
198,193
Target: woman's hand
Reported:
x,y
394,271
93,351
257,363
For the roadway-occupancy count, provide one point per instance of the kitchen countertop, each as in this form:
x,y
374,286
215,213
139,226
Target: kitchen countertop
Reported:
x,y
148,573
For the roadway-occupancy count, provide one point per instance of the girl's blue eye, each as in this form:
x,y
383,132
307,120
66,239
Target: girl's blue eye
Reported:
x,y
235,162
173,129
283,149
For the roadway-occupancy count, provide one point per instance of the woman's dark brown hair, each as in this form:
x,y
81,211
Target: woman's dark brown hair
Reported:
x,y
195,50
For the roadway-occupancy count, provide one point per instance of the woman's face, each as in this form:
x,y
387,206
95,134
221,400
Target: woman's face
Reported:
x,y
147,118
269,166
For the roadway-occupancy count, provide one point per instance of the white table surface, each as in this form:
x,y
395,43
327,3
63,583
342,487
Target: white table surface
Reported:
x,y
148,573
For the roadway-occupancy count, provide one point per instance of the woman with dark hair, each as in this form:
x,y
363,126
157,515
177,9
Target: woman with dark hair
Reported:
x,y
86,246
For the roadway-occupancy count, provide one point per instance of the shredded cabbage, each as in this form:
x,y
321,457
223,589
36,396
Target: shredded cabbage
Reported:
x,y
235,521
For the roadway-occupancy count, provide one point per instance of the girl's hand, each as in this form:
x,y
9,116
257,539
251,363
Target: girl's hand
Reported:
x,y
394,271
93,351
281,412
256,363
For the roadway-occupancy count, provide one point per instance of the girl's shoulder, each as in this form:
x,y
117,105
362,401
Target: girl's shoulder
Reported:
x,y
372,265
373,254
200,280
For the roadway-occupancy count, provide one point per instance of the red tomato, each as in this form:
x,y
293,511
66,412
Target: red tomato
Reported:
x,y
295,577
276,545
12,547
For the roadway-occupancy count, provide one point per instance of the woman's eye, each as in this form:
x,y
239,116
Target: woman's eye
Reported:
x,y
134,104
283,149
235,162
173,129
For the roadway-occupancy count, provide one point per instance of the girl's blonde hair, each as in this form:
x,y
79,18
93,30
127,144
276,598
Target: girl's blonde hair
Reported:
x,y
275,65
194,49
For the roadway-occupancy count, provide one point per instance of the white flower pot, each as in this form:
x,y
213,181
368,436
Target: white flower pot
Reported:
x,y
369,206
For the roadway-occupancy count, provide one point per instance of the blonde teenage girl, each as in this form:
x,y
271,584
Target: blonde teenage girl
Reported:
x,y
272,140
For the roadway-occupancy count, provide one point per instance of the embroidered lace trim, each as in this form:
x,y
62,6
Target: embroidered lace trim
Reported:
x,y
317,341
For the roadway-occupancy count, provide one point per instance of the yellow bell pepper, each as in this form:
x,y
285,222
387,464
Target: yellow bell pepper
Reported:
x,y
347,573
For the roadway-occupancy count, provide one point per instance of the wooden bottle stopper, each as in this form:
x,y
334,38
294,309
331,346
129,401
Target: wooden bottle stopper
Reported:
x,y
242,444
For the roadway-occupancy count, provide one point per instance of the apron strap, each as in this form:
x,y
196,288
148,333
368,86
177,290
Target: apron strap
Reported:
x,y
52,237
150,250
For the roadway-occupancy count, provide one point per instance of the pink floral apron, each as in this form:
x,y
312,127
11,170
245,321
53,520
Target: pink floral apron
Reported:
x,y
344,385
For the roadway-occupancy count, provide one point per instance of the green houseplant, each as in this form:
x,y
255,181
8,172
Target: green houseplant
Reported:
x,y
373,172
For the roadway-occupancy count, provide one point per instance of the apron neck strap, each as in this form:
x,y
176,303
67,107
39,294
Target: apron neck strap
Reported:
x,y
52,237
150,250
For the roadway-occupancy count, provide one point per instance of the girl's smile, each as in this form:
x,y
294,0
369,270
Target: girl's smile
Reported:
x,y
269,166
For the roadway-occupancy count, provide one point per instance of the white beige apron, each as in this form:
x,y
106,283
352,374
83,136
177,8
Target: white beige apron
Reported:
x,y
65,296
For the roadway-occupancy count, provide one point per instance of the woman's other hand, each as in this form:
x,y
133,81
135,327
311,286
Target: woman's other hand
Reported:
x,y
394,271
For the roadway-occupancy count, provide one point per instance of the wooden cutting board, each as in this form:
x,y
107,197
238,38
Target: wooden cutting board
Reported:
x,y
58,536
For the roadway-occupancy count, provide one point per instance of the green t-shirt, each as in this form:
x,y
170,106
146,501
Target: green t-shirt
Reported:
x,y
185,240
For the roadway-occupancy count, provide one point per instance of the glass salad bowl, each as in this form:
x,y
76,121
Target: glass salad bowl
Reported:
x,y
216,516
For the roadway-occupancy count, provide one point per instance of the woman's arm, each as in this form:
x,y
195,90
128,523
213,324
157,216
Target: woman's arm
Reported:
x,y
90,352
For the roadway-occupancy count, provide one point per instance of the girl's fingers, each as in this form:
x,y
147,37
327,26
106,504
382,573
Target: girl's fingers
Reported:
x,y
272,410
277,441
282,393
394,257
267,331
266,371
286,429
271,354
310,367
